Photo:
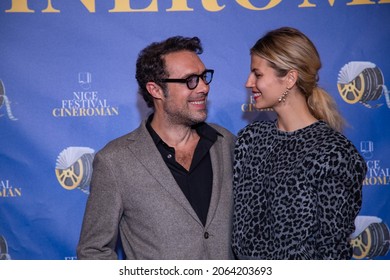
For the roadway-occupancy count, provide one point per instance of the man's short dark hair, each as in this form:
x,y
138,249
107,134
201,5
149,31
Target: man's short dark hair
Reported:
x,y
150,65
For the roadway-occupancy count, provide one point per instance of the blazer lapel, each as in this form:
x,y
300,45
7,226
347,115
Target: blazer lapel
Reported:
x,y
145,150
217,164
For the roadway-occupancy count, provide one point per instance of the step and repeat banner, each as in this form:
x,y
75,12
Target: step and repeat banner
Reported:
x,y
67,87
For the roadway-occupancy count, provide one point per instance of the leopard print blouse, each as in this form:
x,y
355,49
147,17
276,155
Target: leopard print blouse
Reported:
x,y
296,194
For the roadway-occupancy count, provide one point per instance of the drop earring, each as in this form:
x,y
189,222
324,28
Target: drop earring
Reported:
x,y
283,97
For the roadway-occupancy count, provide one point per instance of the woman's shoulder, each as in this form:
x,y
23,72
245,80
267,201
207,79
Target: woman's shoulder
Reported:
x,y
333,137
254,134
257,127
336,143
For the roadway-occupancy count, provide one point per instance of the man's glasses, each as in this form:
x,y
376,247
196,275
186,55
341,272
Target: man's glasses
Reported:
x,y
192,81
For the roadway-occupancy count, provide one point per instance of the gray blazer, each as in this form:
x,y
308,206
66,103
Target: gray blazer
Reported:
x,y
132,187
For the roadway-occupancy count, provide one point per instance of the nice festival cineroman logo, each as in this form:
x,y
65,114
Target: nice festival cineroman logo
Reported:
x,y
85,102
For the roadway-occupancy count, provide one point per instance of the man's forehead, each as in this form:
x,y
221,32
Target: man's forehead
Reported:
x,y
183,61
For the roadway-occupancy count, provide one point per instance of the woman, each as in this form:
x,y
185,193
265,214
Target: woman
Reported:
x,y
297,180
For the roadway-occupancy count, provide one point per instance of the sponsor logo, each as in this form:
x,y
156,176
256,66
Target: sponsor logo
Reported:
x,y
371,238
123,6
250,107
362,82
4,101
4,249
7,190
85,80
74,168
86,102
377,174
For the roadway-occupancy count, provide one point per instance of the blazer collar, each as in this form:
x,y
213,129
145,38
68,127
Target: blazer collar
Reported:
x,y
144,148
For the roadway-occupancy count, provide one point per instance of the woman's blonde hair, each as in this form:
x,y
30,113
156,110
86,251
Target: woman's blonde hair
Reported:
x,y
288,49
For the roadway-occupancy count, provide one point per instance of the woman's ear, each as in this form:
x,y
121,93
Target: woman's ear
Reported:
x,y
292,77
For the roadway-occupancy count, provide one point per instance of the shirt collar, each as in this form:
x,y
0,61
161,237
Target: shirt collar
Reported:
x,y
203,129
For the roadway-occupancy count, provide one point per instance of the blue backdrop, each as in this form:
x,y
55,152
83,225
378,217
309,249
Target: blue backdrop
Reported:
x,y
67,87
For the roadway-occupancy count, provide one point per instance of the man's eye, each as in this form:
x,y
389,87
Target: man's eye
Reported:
x,y
191,78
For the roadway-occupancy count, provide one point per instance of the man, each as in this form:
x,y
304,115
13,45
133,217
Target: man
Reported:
x,y
166,187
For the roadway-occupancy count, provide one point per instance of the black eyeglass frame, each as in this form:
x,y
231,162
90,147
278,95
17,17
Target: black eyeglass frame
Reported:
x,y
190,77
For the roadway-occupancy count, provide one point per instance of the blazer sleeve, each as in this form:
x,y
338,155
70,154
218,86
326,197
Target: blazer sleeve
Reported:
x,y
99,231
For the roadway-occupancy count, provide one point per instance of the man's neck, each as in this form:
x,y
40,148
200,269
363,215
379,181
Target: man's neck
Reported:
x,y
174,135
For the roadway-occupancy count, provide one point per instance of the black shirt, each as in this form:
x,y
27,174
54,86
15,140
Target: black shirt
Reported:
x,y
197,182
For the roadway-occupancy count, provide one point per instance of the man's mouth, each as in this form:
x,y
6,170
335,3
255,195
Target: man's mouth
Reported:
x,y
198,102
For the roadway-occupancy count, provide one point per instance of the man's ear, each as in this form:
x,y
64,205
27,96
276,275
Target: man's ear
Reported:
x,y
155,90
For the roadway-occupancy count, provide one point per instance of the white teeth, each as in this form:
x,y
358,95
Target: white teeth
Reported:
x,y
197,102
257,94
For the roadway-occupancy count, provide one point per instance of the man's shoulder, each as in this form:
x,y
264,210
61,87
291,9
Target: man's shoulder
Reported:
x,y
221,130
121,142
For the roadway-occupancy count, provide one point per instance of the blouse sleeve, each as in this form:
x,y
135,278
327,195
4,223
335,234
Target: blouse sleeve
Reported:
x,y
339,201
244,138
